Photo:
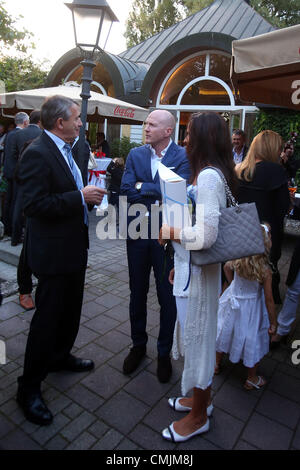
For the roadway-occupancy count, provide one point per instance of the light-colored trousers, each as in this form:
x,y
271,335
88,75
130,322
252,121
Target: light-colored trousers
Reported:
x,y
288,312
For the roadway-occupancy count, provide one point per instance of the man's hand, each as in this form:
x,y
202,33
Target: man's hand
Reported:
x,y
284,158
93,194
171,276
162,240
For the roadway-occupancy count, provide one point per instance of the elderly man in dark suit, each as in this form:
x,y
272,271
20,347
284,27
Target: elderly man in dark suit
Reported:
x,y
10,162
55,204
140,183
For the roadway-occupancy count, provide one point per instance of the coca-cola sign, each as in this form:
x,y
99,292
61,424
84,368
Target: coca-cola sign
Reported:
x,y
125,113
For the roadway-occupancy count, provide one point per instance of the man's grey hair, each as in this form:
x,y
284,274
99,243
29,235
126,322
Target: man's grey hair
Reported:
x,y
20,118
56,107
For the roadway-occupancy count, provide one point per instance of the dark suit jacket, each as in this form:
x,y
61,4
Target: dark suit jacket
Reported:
x,y
294,266
138,168
56,237
105,148
244,153
31,132
11,153
82,163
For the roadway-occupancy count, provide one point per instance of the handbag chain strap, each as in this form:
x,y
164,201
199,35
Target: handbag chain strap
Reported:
x,y
229,196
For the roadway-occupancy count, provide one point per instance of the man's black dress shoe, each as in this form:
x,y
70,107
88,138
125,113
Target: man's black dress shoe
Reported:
x,y
15,242
74,364
134,358
164,368
34,407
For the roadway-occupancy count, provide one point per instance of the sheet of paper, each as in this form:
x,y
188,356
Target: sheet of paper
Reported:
x,y
174,199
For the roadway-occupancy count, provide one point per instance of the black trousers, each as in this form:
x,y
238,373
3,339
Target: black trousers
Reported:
x,y
24,274
142,256
8,207
17,222
54,326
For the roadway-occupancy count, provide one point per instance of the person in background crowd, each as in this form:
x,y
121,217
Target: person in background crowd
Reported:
x,y
27,134
239,150
288,160
140,183
287,315
116,170
24,273
102,144
10,162
3,183
263,180
2,142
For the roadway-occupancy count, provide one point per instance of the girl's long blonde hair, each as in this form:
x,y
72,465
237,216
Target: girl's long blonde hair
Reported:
x,y
266,146
255,268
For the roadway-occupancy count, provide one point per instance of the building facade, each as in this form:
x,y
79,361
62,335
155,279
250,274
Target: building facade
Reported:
x,y
184,69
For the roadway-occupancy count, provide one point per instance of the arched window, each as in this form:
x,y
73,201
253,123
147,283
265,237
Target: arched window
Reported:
x,y
206,92
192,68
208,65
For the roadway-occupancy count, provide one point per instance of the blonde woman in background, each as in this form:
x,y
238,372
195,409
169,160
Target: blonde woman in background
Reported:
x,y
264,181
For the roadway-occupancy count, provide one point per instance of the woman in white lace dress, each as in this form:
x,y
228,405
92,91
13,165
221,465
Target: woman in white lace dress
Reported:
x,y
208,144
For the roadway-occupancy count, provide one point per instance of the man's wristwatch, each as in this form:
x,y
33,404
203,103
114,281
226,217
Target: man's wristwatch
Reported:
x,y
138,186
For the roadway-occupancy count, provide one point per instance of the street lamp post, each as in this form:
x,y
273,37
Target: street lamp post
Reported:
x,y
92,21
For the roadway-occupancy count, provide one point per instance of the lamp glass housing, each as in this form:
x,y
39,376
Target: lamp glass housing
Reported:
x,y
92,27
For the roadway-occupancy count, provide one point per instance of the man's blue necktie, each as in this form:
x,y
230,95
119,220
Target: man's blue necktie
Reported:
x,y
76,175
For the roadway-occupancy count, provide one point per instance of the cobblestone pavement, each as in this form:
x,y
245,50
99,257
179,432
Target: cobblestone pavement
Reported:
x,y
104,409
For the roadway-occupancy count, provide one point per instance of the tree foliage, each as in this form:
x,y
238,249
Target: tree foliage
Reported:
x,y
18,70
280,13
10,35
282,121
192,6
121,147
21,73
149,17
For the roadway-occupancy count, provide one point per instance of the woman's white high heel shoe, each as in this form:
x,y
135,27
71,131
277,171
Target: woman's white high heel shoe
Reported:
x,y
174,403
171,435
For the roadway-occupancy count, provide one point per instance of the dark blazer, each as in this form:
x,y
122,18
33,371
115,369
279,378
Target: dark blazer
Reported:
x,y
294,265
29,133
105,148
82,163
244,152
138,168
56,237
10,153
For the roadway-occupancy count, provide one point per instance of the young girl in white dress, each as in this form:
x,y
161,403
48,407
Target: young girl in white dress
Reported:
x,y
246,315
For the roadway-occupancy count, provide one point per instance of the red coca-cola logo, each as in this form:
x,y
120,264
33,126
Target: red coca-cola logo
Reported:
x,y
127,112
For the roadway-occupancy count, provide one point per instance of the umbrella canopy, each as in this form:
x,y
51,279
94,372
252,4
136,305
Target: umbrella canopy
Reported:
x,y
99,106
266,68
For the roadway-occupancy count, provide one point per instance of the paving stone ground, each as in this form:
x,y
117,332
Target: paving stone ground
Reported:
x,y
105,410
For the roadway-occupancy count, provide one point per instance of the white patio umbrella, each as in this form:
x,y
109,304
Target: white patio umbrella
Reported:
x,y
98,105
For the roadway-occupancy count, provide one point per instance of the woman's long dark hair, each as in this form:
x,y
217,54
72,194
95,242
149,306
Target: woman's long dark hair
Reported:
x,y
209,143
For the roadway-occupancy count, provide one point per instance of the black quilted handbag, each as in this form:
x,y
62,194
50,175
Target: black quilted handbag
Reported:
x,y
239,233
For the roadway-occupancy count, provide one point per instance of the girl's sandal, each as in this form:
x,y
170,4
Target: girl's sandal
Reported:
x,y
249,385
